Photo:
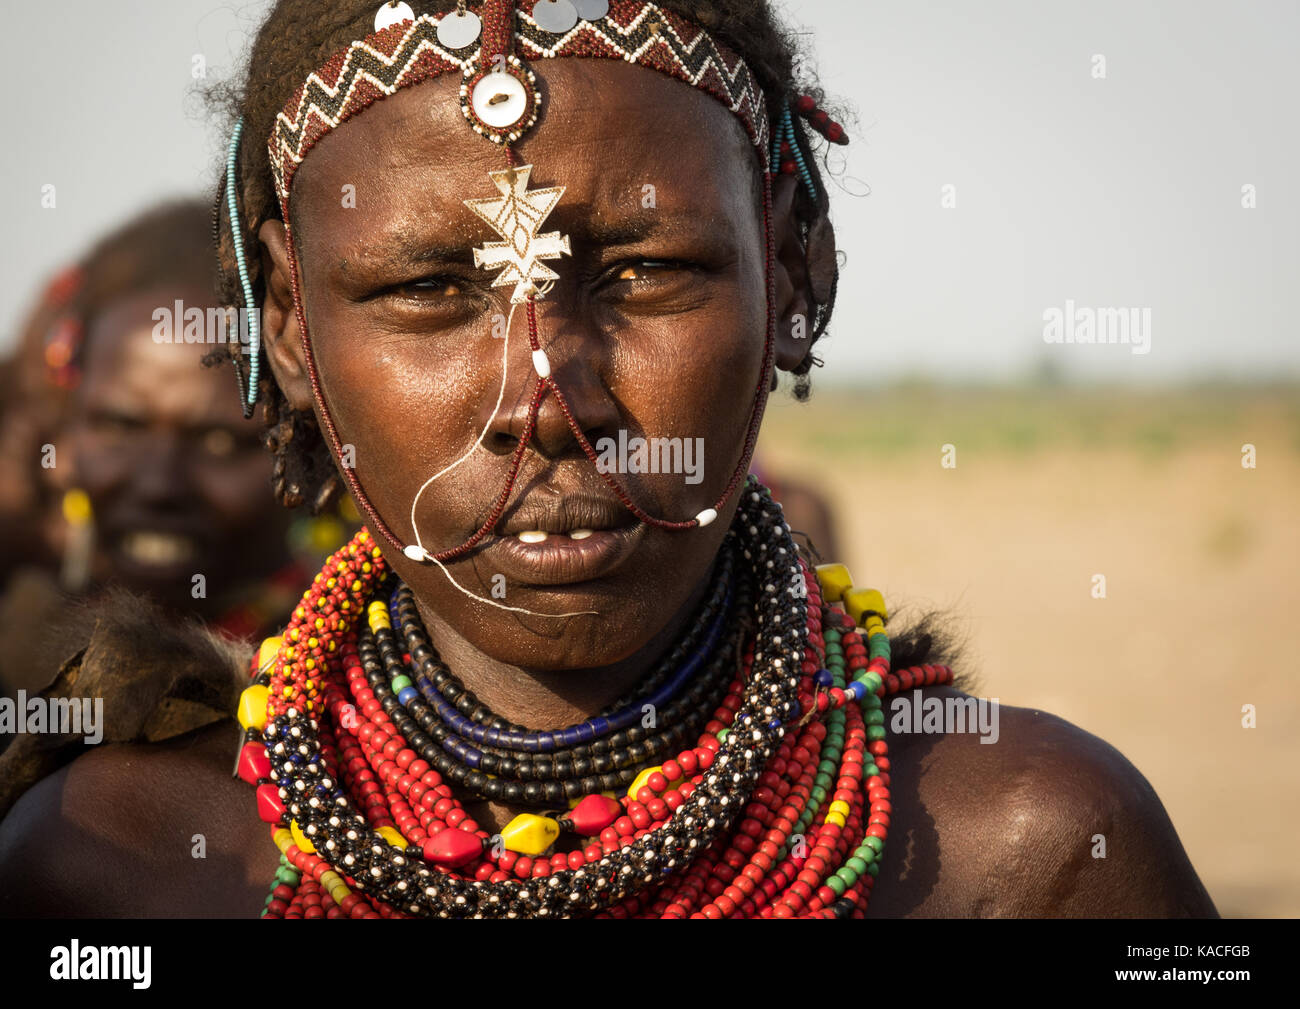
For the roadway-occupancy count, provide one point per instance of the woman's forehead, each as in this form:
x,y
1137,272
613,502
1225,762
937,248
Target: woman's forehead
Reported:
x,y
607,131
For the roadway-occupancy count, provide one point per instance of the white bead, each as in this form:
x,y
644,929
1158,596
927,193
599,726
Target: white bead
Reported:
x,y
706,516
415,552
393,14
542,363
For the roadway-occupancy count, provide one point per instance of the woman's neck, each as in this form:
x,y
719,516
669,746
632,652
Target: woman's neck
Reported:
x,y
555,698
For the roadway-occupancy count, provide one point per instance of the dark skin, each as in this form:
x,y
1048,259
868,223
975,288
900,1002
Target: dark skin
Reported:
x,y
978,829
177,479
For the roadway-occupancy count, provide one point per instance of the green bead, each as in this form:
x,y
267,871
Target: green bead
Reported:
x,y
818,794
722,734
870,770
400,683
874,843
836,884
847,875
875,732
876,717
858,865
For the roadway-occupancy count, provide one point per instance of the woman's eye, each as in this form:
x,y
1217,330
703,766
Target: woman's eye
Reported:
x,y
446,287
645,269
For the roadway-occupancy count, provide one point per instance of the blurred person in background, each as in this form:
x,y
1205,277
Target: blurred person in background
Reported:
x,y
127,465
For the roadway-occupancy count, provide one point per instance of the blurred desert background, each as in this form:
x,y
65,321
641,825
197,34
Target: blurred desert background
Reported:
x,y
1052,486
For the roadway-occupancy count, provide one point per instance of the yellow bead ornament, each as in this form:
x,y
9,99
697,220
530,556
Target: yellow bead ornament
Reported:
x,y
860,603
252,706
393,837
267,653
377,613
300,839
530,834
834,580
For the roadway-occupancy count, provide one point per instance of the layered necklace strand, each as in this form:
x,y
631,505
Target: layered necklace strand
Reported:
x,y
775,806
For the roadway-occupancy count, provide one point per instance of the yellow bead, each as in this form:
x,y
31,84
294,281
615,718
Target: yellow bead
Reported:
x,y
252,706
301,839
330,880
282,839
835,818
861,602
641,780
530,834
266,654
839,806
835,580
340,893
76,507
391,835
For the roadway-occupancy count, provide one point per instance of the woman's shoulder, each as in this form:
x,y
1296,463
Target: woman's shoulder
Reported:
x,y
1006,811
131,829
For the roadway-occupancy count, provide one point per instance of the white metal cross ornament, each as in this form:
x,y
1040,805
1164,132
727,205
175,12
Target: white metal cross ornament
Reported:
x,y
517,216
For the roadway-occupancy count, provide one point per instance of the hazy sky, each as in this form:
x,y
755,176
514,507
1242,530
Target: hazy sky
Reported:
x,y
1122,192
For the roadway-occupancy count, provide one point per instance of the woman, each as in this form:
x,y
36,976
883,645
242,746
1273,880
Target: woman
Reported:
x,y
521,269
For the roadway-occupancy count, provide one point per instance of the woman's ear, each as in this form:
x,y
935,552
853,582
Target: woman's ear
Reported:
x,y
804,273
281,335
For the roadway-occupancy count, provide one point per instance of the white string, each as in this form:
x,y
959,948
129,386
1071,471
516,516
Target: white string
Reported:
x,y
503,606
505,364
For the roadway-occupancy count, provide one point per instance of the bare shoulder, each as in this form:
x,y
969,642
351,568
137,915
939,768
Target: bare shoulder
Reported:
x,y
1048,820
139,830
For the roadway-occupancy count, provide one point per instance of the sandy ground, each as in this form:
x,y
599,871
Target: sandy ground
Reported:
x,y
1200,612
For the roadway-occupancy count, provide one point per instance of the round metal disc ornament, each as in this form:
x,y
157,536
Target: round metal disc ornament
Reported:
x,y
555,16
591,10
459,29
390,14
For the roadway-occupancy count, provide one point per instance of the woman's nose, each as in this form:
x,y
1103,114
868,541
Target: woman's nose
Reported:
x,y
575,354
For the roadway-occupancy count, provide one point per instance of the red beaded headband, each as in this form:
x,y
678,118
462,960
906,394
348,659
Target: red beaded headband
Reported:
x,y
499,98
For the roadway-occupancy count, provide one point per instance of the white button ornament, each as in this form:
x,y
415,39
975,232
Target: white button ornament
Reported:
x,y
555,16
459,29
706,516
499,100
415,552
393,14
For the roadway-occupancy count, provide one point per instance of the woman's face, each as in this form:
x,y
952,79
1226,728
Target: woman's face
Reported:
x,y
655,330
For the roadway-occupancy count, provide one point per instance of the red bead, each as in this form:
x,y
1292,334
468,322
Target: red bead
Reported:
x,y
805,104
254,763
594,813
270,807
452,848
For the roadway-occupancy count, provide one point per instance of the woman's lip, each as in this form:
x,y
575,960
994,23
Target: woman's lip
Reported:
x,y
559,560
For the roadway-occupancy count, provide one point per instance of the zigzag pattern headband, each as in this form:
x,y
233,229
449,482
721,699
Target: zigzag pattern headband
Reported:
x,y
414,50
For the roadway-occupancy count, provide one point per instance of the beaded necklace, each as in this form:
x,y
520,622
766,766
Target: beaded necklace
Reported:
x,y
779,809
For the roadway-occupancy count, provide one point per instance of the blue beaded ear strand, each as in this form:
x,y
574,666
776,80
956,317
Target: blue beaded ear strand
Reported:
x,y
785,133
246,285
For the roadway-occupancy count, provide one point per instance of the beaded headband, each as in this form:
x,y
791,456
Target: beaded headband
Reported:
x,y
414,50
